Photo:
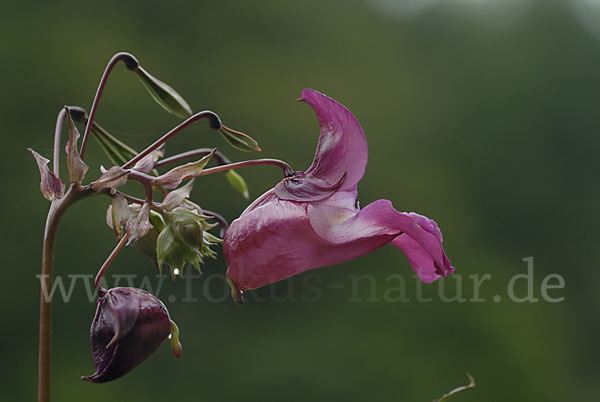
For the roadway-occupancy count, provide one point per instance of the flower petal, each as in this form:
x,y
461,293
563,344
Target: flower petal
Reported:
x,y
278,239
342,144
305,188
418,237
270,242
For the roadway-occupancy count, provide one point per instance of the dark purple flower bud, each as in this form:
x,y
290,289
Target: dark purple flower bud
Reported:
x,y
129,325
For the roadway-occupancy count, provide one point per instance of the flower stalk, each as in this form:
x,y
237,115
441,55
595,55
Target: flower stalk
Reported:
x,y
131,63
214,122
57,209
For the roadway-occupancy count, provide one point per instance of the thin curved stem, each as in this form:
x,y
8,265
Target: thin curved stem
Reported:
x,y
57,134
215,123
57,209
131,63
109,260
455,391
287,170
218,156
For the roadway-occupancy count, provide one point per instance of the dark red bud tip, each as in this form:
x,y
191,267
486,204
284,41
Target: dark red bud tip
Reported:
x,y
130,61
214,122
77,113
129,325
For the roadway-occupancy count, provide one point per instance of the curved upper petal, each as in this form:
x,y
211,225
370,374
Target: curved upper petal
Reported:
x,y
342,144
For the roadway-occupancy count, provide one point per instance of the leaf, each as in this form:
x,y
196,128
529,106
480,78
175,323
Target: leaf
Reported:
x,y
75,165
164,95
52,187
239,140
118,152
238,183
175,176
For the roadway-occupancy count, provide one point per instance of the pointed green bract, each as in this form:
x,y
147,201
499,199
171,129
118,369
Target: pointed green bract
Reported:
x,y
239,140
117,151
175,343
238,183
164,95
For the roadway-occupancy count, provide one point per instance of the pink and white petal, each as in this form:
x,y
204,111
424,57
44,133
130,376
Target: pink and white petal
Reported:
x,y
419,237
342,144
419,260
269,243
276,240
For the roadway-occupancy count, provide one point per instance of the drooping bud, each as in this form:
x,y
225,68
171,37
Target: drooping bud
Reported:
x,y
164,95
239,140
52,187
118,214
129,325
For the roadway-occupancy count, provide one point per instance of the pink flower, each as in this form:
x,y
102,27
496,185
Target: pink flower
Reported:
x,y
311,219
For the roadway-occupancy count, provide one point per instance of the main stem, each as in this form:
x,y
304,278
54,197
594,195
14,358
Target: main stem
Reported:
x,y
57,209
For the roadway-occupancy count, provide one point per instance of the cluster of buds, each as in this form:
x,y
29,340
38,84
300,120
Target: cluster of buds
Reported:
x,y
130,324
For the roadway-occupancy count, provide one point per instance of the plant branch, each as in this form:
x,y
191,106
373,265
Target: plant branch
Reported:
x,y
57,209
131,63
287,170
455,391
214,122
109,260
60,119
218,156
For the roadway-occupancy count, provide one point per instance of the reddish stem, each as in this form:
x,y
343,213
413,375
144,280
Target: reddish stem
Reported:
x,y
110,259
287,170
57,209
60,118
218,156
131,63
215,123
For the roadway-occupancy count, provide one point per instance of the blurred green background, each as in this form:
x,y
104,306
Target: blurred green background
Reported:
x,y
479,114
